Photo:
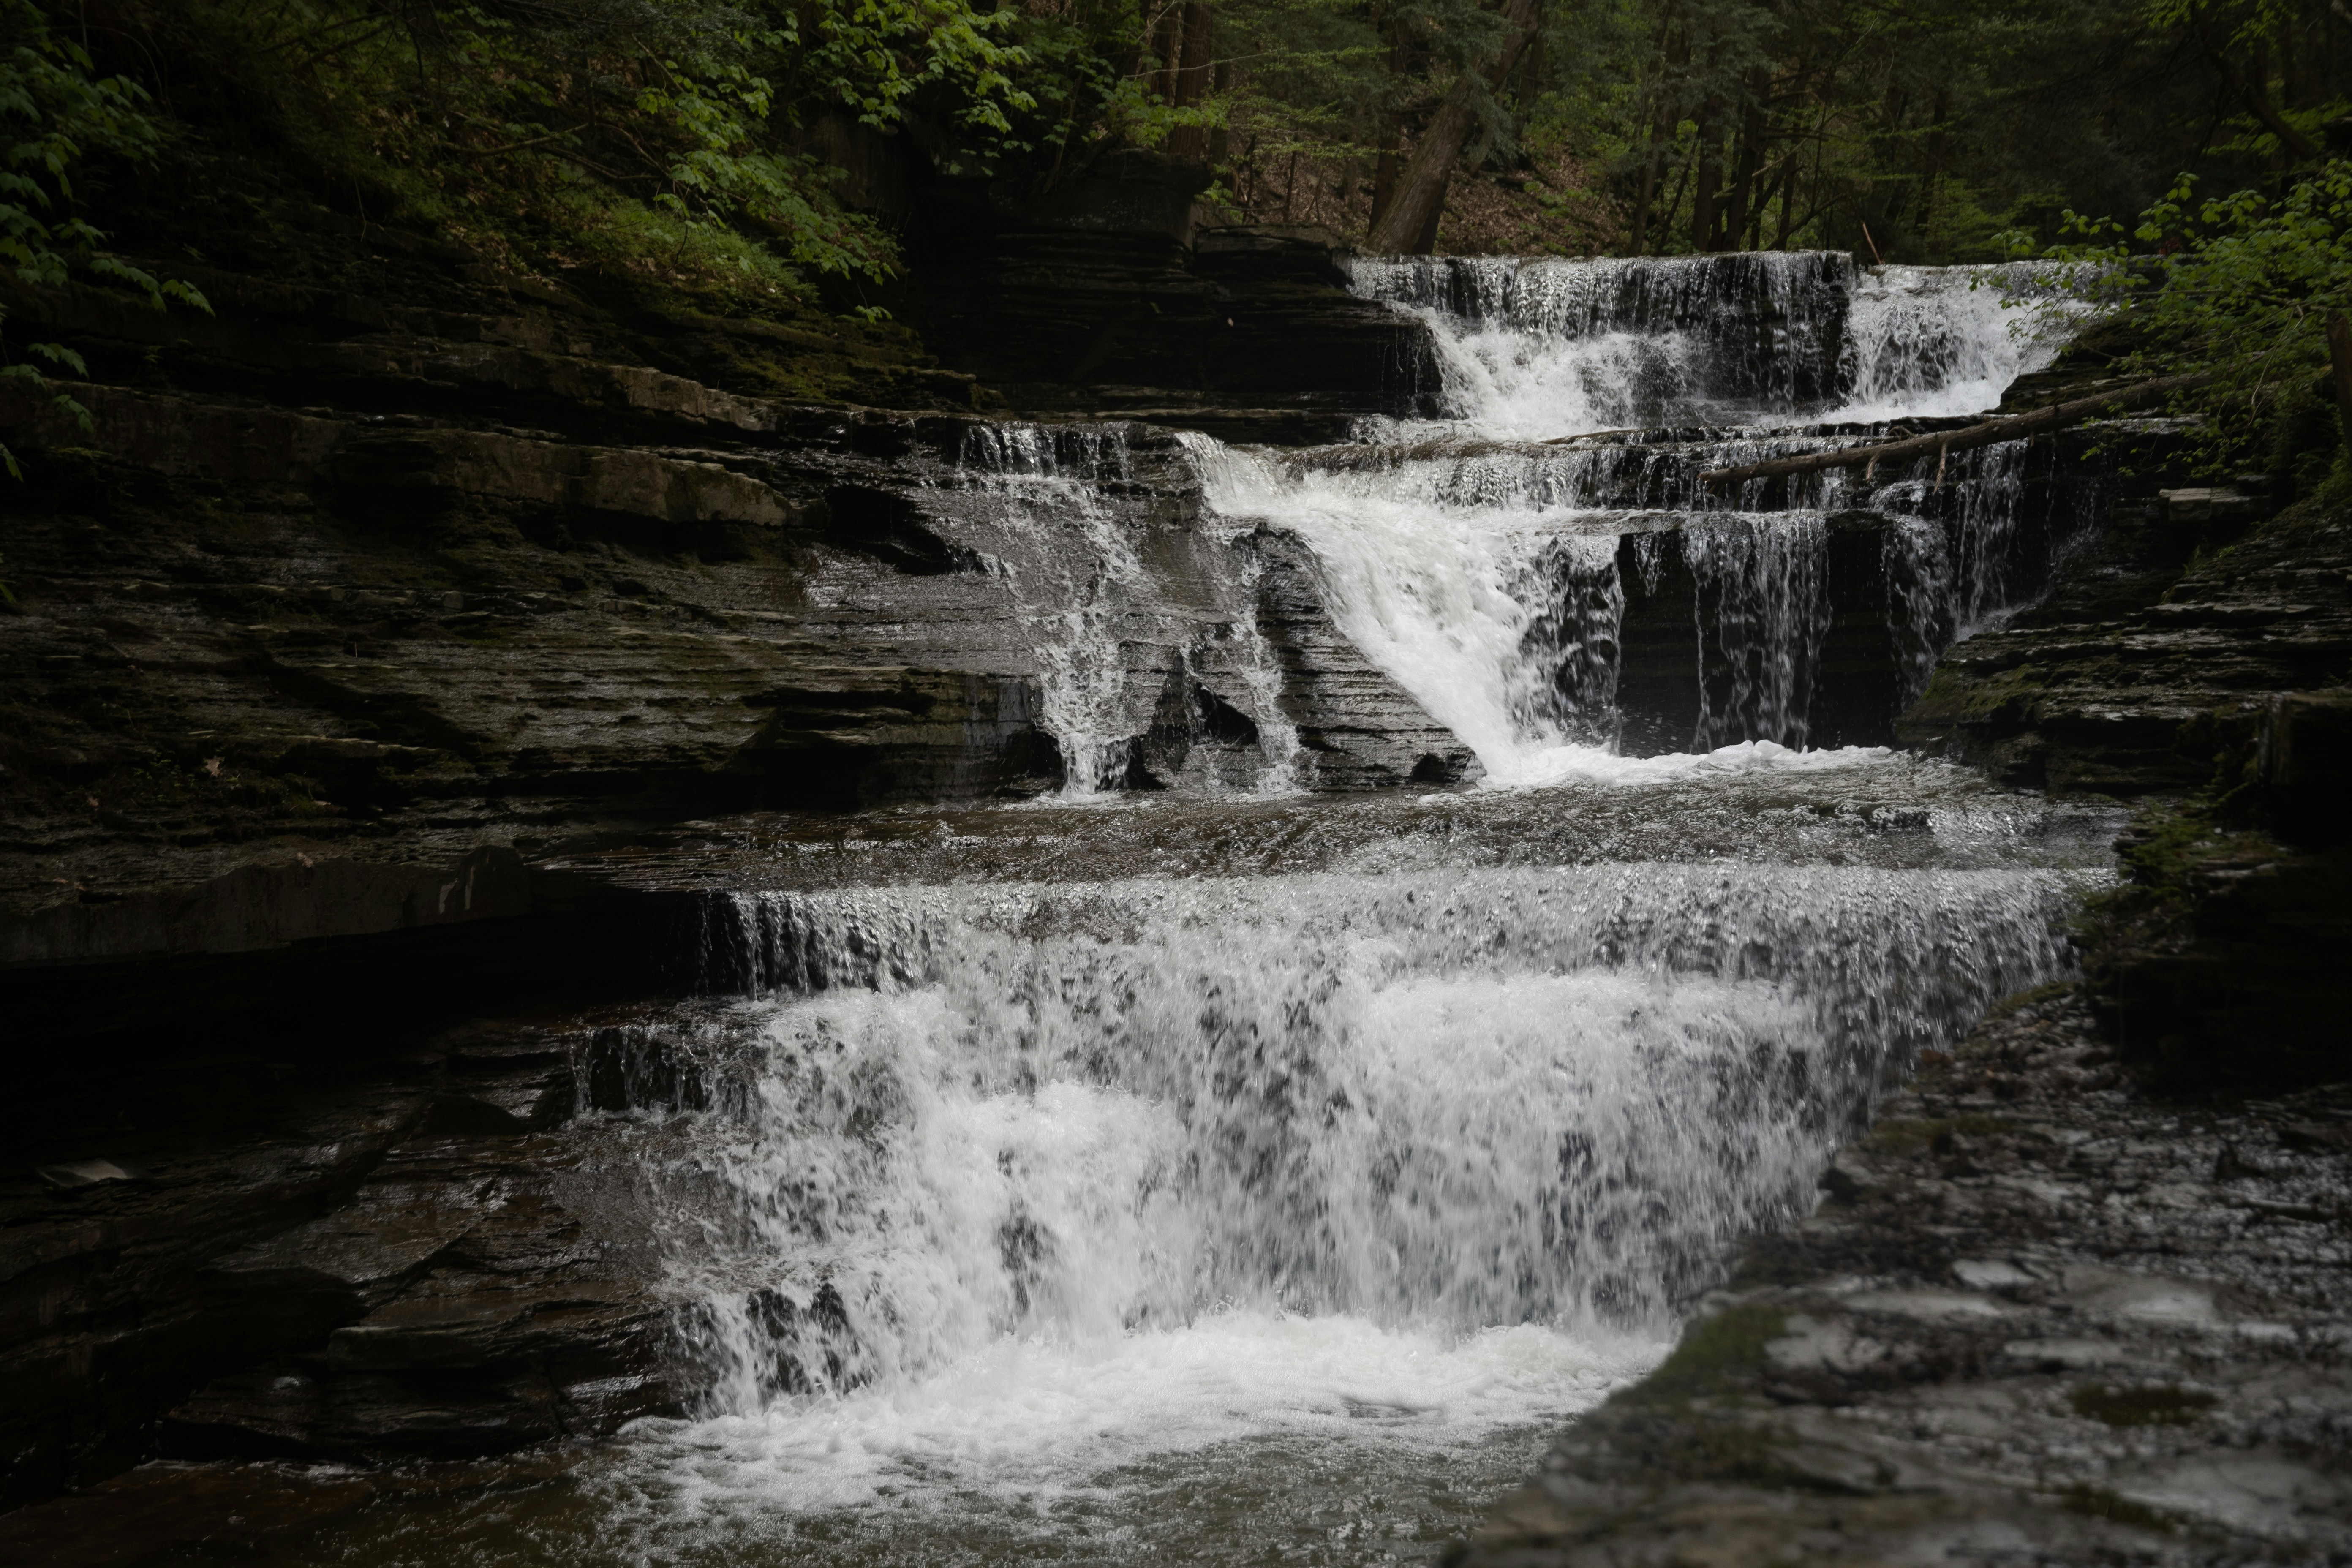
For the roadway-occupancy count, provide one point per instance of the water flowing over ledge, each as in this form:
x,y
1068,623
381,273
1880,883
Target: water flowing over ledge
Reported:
x,y
1169,1166
1101,1170
1381,1154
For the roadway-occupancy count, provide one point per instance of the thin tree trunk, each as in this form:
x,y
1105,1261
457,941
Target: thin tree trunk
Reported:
x,y
2252,92
1384,171
1746,200
2339,354
1787,198
1385,176
1190,81
1221,138
1641,239
1163,42
1421,188
1734,207
1710,177
1675,198
1660,130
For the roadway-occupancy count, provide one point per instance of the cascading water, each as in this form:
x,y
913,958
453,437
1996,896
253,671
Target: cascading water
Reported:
x,y
1046,509
1048,487
1013,1217
1443,543
1230,1172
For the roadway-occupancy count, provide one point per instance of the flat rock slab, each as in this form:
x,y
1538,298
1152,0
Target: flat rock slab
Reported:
x,y
2038,1318
432,1260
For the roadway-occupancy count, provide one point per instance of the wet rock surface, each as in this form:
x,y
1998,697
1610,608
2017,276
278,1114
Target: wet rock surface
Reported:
x,y
400,570
2156,650
2194,657
419,1260
2039,1317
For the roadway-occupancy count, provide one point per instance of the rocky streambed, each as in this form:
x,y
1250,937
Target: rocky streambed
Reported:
x,y
2037,1314
1132,957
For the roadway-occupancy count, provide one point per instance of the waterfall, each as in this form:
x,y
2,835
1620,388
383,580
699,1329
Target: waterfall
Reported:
x,y
1924,341
1057,513
1039,1188
1484,569
1480,560
1708,340
1125,1145
1072,568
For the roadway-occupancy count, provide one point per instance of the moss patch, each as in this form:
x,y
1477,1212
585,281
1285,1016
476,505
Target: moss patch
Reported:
x,y
1719,1354
2161,1407
1910,1136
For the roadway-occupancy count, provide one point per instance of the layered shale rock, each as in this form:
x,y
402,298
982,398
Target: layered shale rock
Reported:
x,y
2200,649
420,1258
2156,652
2037,1317
398,561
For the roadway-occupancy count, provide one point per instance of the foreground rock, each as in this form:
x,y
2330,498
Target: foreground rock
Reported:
x,y
2039,1318
421,1260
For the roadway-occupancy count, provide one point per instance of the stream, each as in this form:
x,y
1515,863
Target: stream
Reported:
x,y
1229,1170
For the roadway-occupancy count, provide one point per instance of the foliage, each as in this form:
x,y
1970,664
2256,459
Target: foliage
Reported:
x,y
2239,286
702,143
1907,130
55,112
679,141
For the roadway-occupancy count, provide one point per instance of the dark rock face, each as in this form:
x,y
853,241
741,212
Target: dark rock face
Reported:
x,y
400,645
2035,1316
424,1261
2170,660
1109,293
2155,653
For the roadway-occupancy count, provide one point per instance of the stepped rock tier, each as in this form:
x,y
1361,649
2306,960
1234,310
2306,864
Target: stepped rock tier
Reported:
x,y
1175,940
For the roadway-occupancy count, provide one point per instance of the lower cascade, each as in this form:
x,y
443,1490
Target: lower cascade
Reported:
x,y
1016,1201
988,1204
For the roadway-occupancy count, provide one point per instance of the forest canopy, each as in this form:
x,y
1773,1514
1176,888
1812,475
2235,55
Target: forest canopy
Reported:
x,y
2192,147
703,137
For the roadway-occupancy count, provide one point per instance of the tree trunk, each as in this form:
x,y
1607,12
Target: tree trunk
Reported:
x,y
1163,42
1425,242
1421,188
1709,178
2339,354
1746,200
1661,135
1675,198
1384,178
1787,199
1191,84
1640,245
1384,171
2250,91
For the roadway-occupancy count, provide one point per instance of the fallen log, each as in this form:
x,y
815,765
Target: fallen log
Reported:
x,y
2011,428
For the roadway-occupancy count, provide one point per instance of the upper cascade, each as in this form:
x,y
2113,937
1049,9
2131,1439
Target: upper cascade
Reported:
x,y
1539,347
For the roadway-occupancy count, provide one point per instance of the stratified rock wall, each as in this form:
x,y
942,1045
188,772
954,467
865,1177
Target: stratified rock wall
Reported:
x,y
412,1260
397,561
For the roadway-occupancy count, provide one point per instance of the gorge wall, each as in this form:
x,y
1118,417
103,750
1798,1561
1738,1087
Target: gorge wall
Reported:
x,y
379,654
